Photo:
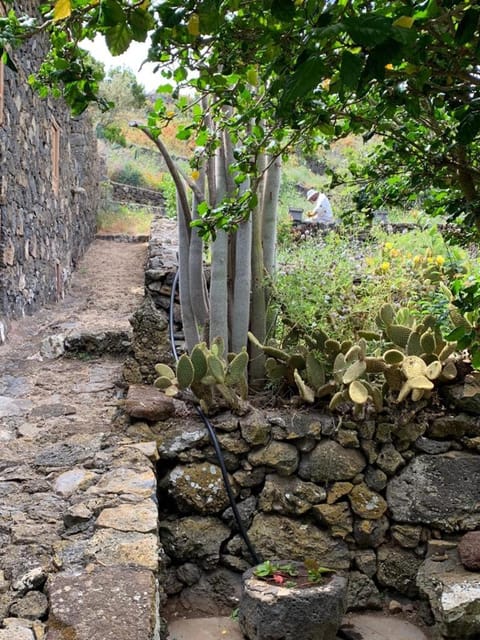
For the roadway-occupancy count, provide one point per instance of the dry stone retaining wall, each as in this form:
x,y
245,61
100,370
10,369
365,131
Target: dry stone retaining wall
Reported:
x,y
47,219
365,495
140,195
369,495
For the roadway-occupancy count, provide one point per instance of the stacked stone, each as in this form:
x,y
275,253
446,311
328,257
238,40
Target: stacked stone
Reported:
x,y
129,193
43,230
359,495
151,342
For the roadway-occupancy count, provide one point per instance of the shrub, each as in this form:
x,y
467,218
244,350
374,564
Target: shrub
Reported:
x,y
128,174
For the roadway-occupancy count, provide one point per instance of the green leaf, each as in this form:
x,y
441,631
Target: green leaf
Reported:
x,y
467,26
350,69
140,22
283,9
306,77
180,74
118,38
469,127
111,14
430,11
369,30
475,353
7,60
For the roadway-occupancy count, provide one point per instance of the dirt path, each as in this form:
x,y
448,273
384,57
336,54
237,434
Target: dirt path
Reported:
x,y
66,464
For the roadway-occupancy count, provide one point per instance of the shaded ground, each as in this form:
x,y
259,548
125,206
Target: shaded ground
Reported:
x,y
59,446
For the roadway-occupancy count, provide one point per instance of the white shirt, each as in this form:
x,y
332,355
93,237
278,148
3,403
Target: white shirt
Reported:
x,y
322,210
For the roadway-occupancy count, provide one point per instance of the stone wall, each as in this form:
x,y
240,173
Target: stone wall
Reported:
x,y
360,495
129,193
371,496
46,220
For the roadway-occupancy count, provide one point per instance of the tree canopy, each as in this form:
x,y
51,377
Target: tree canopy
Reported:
x,y
299,70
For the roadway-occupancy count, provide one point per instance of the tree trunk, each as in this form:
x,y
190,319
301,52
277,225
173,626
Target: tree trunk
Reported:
x,y
242,283
188,315
198,290
258,307
271,192
219,273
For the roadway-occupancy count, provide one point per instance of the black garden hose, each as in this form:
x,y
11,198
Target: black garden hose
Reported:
x,y
213,437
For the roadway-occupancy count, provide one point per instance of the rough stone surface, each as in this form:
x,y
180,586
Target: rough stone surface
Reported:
x,y
389,460
456,425
438,490
33,605
47,223
65,435
289,496
330,461
268,611
469,550
454,596
337,516
173,438
17,633
370,533
362,592
148,403
140,517
150,343
296,541
366,503
121,480
199,488
407,536
194,539
397,568
215,593
123,600
280,456
109,547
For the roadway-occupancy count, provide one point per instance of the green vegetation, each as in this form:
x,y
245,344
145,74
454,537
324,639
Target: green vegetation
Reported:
x,y
299,75
125,219
339,282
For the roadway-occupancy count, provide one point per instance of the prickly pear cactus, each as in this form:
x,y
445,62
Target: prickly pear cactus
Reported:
x,y
212,379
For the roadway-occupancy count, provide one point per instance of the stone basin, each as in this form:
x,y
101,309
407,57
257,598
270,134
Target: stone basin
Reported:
x,y
274,612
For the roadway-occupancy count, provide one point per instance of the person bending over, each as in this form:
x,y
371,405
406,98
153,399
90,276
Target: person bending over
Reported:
x,y
322,210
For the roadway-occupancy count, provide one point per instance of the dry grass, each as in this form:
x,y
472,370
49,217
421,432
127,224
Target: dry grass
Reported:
x,y
125,220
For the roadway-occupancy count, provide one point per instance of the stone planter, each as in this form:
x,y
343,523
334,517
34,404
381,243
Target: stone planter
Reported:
x,y
271,612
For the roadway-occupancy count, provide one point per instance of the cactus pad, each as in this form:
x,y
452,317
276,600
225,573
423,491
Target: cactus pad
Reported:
x,y
427,341
354,371
315,371
399,334
357,392
413,366
434,370
185,371
237,369
393,356
306,393
165,370
199,361
216,368
163,382
387,314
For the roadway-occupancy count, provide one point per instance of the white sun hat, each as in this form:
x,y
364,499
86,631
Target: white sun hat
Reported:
x,y
311,193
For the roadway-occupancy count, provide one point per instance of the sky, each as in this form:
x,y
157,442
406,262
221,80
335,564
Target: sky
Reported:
x,y
132,59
